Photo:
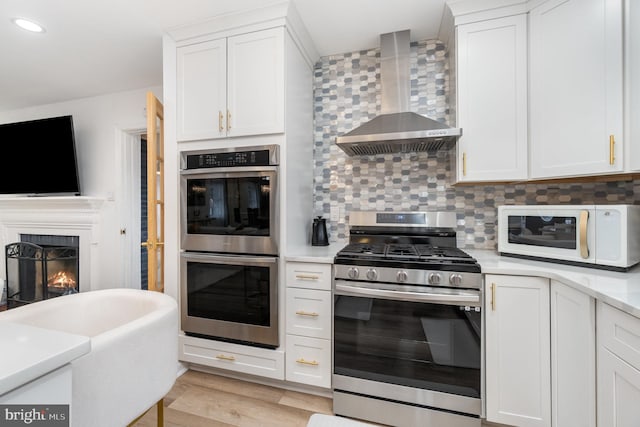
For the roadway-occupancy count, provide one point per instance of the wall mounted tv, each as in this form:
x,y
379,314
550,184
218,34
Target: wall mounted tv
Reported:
x,y
40,158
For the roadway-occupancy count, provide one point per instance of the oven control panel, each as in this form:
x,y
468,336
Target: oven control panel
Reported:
x,y
267,155
409,276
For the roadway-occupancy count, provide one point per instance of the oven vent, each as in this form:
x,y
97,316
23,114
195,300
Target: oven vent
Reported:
x,y
383,147
397,129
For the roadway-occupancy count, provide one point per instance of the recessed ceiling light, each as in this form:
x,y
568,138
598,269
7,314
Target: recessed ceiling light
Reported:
x,y
28,25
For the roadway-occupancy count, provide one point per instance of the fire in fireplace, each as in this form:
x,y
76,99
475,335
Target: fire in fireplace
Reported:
x,y
40,271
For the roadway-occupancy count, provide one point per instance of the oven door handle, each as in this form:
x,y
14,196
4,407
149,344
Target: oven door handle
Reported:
x,y
238,259
470,298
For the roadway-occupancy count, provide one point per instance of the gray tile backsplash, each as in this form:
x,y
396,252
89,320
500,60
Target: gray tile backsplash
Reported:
x,y
346,94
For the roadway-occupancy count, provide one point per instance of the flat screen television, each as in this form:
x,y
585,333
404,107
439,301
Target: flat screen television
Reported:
x,y
39,158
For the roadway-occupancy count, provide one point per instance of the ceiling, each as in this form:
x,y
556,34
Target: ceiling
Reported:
x,y
104,46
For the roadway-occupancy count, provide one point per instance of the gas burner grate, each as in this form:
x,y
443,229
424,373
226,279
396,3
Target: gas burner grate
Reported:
x,y
428,252
401,251
364,249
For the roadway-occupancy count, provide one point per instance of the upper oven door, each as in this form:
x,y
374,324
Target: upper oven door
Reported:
x,y
557,232
231,210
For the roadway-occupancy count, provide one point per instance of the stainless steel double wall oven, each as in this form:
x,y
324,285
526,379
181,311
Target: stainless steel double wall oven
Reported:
x,y
229,238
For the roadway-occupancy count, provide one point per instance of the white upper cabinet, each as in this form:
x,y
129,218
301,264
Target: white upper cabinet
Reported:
x,y
632,83
202,90
231,87
492,99
576,88
255,78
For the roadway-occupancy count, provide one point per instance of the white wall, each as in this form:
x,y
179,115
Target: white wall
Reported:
x,y
99,122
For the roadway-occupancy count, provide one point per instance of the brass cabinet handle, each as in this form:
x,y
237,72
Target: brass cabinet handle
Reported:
x,y
307,277
612,143
306,313
228,120
464,163
584,219
224,357
307,362
220,122
493,297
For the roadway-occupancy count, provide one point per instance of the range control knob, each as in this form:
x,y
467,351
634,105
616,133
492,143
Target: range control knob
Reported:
x,y
372,274
402,276
455,279
353,273
435,278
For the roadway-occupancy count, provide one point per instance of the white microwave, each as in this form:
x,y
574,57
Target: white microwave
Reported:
x,y
601,236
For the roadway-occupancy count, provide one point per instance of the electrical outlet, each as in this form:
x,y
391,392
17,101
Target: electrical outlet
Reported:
x,y
334,214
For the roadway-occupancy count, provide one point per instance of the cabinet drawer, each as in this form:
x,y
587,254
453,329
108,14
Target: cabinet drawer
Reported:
x,y
308,361
217,354
309,313
309,275
620,333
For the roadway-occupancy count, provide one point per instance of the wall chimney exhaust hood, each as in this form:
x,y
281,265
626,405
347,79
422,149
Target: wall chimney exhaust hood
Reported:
x,y
397,129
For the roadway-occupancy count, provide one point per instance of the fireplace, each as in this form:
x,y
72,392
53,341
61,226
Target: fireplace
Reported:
x,y
41,267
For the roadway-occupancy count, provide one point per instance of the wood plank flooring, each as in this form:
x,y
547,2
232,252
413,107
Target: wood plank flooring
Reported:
x,y
201,399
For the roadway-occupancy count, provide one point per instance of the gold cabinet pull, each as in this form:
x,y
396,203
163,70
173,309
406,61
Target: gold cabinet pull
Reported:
x,y
307,277
228,120
220,122
224,357
464,163
493,297
307,362
584,219
307,313
612,144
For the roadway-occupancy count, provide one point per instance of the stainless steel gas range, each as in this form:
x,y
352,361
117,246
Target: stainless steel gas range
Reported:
x,y
408,321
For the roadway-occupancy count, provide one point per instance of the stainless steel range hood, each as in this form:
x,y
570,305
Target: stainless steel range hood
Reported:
x,y
397,129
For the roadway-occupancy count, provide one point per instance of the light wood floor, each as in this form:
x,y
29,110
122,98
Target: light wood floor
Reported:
x,y
201,399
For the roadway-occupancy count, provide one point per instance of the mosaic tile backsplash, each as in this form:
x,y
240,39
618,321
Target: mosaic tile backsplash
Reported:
x,y
347,94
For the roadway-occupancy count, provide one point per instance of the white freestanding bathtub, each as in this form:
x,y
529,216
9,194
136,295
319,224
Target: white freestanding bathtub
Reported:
x,y
133,360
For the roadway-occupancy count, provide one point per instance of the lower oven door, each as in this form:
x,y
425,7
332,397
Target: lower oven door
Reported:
x,y
418,346
230,298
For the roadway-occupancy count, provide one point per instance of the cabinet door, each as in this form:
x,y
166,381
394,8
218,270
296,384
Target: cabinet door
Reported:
x,y
576,86
492,99
201,90
573,357
309,313
517,355
256,83
308,361
618,391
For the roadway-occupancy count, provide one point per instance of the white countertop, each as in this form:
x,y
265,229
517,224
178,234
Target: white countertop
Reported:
x,y
308,253
29,352
619,289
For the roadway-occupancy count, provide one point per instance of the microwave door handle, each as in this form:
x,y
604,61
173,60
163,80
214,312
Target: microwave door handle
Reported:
x,y
584,221
472,299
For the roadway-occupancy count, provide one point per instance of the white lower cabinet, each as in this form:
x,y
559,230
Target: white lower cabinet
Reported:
x,y
540,353
308,323
573,357
618,368
518,389
232,357
307,360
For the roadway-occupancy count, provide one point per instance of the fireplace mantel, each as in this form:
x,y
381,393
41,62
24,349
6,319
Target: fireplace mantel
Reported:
x,y
56,215
49,210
